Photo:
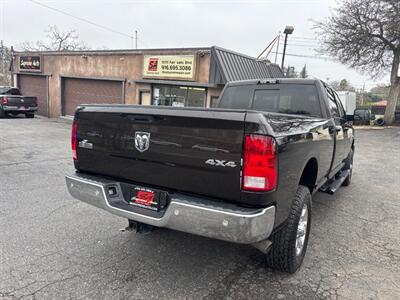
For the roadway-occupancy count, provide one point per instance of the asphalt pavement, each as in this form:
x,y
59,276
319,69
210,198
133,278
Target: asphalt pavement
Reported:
x,y
55,247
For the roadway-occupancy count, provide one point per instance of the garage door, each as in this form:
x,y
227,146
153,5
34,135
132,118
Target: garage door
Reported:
x,y
34,85
89,91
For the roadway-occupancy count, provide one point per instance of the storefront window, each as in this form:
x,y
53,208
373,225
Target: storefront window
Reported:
x,y
179,96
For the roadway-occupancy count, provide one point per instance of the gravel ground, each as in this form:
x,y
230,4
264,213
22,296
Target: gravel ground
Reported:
x,y
55,247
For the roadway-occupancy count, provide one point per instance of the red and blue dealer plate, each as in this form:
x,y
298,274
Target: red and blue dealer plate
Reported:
x,y
147,198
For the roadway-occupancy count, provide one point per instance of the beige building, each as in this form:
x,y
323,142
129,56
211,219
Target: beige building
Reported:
x,y
174,77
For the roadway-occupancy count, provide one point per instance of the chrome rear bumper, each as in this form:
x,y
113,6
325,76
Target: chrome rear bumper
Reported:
x,y
21,108
184,213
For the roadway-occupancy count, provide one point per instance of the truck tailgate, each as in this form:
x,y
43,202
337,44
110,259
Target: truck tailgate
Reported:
x,y
21,101
189,150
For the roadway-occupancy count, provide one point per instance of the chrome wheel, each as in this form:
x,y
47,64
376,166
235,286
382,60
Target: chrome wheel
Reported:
x,y
302,230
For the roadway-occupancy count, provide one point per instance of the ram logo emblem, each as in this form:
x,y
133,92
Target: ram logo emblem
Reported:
x,y
142,141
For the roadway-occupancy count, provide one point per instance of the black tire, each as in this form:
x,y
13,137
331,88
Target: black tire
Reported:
x,y
29,115
2,113
349,166
283,255
380,122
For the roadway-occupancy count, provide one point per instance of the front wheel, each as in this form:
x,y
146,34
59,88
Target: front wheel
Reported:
x,y
289,243
2,113
29,115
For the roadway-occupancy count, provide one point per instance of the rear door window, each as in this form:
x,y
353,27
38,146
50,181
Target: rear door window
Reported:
x,y
237,97
342,113
333,108
288,99
10,91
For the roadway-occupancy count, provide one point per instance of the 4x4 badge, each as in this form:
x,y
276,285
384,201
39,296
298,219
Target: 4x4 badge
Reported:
x,y
220,163
142,141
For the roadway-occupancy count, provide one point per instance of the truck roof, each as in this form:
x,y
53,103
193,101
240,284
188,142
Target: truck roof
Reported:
x,y
275,80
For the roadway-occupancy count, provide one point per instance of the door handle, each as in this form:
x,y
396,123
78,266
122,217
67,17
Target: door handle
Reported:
x,y
335,129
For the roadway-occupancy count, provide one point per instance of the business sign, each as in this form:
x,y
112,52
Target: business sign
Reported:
x,y
30,63
169,66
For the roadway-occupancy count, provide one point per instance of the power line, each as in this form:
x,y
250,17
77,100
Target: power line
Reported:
x,y
82,19
304,42
303,38
307,56
270,45
299,45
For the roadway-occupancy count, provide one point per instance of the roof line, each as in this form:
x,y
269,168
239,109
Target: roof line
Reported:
x,y
221,68
116,51
243,55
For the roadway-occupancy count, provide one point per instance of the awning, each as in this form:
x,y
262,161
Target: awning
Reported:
x,y
177,82
227,65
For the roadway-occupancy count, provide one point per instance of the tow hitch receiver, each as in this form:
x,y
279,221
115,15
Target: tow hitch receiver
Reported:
x,y
138,227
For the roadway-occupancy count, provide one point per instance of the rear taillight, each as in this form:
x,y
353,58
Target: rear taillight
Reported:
x,y
5,100
260,166
73,139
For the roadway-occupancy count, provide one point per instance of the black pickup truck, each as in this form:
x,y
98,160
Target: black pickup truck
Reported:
x,y
12,102
243,172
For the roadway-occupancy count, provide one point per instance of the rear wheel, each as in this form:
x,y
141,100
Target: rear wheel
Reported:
x,y
289,243
29,115
2,113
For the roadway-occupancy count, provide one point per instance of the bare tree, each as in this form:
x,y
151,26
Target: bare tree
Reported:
x,y
56,41
5,61
366,35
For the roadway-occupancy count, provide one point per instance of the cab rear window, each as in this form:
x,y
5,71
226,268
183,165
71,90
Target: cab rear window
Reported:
x,y
9,91
300,99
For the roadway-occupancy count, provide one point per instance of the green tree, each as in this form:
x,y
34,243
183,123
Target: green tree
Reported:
x,y
343,85
366,35
381,91
303,72
290,72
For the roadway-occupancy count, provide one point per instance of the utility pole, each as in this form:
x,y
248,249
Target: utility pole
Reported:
x,y
362,94
288,30
135,39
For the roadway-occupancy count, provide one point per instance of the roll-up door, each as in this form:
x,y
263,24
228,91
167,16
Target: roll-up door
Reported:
x,y
35,85
89,91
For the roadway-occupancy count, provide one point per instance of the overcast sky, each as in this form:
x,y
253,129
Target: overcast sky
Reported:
x,y
243,26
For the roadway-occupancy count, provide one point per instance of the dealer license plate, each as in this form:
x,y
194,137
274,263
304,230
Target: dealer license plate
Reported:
x,y
147,198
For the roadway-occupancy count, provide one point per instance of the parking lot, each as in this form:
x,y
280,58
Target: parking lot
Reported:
x,y
55,247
